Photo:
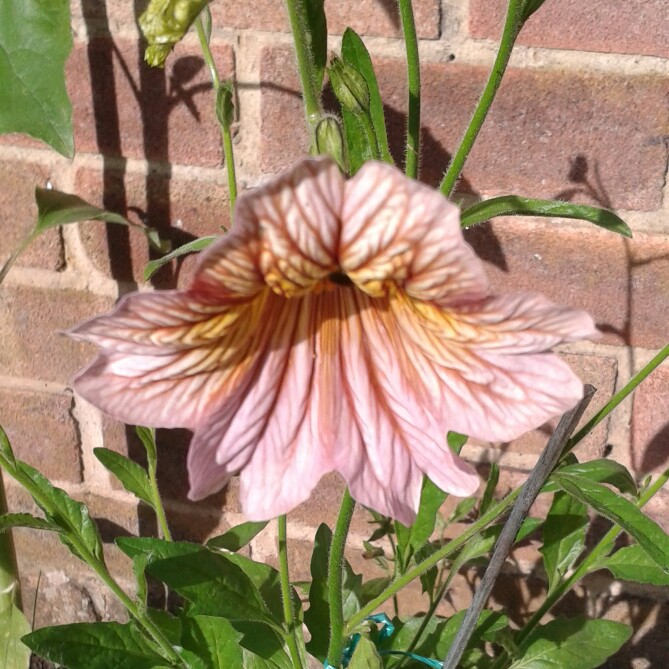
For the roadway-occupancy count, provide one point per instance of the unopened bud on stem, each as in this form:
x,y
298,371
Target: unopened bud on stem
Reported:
x,y
349,86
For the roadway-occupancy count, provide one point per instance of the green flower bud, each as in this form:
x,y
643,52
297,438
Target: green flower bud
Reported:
x,y
164,23
225,109
330,140
349,86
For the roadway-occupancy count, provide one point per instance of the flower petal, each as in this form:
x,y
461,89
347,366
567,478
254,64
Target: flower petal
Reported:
x,y
293,226
396,231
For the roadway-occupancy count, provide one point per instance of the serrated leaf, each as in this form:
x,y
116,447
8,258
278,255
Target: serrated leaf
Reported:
x,y
210,581
632,563
133,477
237,537
576,643
95,646
365,656
622,512
563,536
214,641
68,514
196,245
14,654
10,520
354,51
512,205
35,41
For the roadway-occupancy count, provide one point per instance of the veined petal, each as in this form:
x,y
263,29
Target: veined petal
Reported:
x,y
396,231
292,224
513,324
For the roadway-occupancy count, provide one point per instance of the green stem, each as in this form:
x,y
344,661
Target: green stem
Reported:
x,y
287,597
336,581
15,255
297,14
590,563
413,77
622,394
446,551
226,133
9,571
157,501
512,26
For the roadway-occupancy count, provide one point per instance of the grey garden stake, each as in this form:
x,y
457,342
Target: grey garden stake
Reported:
x,y
542,470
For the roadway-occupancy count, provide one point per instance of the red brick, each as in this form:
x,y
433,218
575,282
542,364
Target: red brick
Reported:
x,y
124,108
549,134
650,423
179,209
599,372
31,326
42,432
19,215
623,284
635,26
366,17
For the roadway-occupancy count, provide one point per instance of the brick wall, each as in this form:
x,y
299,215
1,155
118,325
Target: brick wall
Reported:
x,y
582,115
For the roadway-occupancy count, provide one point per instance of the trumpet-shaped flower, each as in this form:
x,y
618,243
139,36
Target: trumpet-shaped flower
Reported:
x,y
340,326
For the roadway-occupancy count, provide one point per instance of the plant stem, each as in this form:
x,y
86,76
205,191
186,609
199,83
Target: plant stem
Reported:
x,y
512,26
622,394
446,551
287,597
9,571
336,581
157,502
226,133
590,563
297,14
413,78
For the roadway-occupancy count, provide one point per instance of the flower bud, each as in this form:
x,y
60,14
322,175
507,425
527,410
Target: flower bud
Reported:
x,y
349,86
164,23
225,108
330,140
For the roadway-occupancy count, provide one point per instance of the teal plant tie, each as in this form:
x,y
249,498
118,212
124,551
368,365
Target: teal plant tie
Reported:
x,y
386,631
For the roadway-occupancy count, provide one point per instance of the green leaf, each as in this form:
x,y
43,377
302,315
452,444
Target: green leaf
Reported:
x,y
139,570
10,520
456,441
317,616
262,648
530,7
14,654
68,514
35,41
373,588
237,537
210,581
7,459
365,656
462,510
632,563
564,536
576,643
95,646
214,641
354,51
490,487
622,512
603,471
488,624
512,205
484,542
147,435
191,247
169,625
133,477
317,38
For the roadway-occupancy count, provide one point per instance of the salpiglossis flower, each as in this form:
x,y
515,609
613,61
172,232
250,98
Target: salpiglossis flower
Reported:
x,y
340,326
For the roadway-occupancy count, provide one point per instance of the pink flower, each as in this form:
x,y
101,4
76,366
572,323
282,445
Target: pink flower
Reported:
x,y
340,326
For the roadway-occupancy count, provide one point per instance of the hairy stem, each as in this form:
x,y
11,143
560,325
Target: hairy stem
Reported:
x,y
413,78
336,581
288,612
512,27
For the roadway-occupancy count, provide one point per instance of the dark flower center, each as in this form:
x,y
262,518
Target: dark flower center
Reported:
x,y
340,279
